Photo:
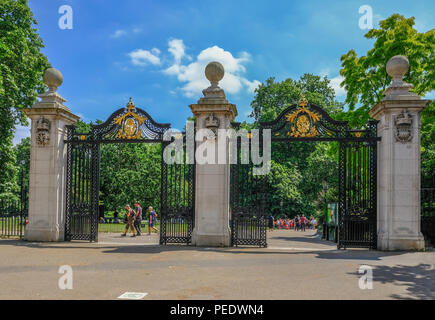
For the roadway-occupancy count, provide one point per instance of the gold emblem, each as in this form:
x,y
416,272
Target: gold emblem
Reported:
x,y
130,127
303,121
303,124
130,123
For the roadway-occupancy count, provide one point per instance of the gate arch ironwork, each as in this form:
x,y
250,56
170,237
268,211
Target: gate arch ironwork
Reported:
x,y
357,171
126,125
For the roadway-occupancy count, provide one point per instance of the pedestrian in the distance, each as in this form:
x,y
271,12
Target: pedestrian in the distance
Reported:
x,y
138,218
152,220
130,217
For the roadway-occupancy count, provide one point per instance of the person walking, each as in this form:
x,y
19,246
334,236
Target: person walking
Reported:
x,y
303,223
116,217
138,218
270,220
130,217
314,223
152,220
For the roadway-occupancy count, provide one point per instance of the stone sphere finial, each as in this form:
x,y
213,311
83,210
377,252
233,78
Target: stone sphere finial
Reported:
x,y
397,66
52,78
214,72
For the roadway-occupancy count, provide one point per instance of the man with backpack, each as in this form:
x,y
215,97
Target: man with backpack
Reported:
x,y
130,216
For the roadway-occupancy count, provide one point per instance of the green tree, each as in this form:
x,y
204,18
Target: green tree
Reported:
x,y
428,147
273,97
366,78
130,172
22,152
21,68
298,168
8,173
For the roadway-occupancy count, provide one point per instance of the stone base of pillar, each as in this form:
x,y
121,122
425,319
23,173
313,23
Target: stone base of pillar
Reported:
x,y
211,240
44,234
388,243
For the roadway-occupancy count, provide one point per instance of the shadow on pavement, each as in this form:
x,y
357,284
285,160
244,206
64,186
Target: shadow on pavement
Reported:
x,y
305,238
419,280
349,254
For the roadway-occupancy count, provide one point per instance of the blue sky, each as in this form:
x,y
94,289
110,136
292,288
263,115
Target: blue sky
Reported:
x,y
155,51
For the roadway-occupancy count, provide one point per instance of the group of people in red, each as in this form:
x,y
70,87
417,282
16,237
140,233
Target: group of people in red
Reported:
x,y
298,223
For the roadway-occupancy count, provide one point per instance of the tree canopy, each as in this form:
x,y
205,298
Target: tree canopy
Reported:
x,y
272,97
21,68
366,78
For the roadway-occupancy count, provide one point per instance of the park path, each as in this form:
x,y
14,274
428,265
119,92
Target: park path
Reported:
x,y
298,240
282,239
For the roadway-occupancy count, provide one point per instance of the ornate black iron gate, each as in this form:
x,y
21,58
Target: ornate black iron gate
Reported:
x,y
357,194
81,219
126,125
248,219
357,176
178,198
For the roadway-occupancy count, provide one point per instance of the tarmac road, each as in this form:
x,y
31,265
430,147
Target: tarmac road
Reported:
x,y
296,265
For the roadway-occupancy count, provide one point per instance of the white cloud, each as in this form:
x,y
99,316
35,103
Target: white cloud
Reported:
x,y
142,57
192,74
124,32
21,132
335,84
118,34
325,72
177,49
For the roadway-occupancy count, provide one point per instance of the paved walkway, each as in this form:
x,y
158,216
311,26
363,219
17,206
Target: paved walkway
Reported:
x,y
296,265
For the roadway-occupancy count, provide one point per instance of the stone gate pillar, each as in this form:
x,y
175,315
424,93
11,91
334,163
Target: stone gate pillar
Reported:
x,y
47,162
212,112
399,162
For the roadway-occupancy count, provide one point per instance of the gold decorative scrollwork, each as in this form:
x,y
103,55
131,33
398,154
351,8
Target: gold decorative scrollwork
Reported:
x,y
129,123
303,121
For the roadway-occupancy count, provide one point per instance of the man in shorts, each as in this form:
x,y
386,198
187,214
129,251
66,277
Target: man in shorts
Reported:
x,y
130,215
152,220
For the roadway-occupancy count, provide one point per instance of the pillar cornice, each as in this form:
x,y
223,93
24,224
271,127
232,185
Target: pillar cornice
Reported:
x,y
57,113
386,106
227,109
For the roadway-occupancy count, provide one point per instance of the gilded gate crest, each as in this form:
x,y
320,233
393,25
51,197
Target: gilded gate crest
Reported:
x,y
129,123
303,121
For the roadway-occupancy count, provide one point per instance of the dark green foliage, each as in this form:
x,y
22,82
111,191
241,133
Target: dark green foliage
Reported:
x,y
21,68
130,172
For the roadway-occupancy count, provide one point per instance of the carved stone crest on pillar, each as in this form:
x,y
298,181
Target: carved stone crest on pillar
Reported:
x,y
212,123
403,124
43,131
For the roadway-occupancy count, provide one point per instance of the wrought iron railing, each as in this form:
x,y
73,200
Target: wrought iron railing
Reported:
x,y
428,214
14,212
13,218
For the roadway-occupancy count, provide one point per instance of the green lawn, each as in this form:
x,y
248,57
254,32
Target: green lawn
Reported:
x,y
120,227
